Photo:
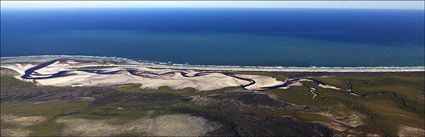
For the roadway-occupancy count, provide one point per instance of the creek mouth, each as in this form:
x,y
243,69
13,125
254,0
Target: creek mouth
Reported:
x,y
32,74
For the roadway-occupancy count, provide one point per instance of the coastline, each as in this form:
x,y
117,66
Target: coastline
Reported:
x,y
161,65
76,79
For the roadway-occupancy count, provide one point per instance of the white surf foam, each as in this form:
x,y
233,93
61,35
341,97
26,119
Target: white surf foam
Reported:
x,y
42,58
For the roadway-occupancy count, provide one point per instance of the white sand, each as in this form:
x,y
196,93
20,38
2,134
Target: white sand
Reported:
x,y
43,58
261,81
177,81
211,81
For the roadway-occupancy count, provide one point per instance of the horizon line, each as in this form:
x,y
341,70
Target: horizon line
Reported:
x,y
214,4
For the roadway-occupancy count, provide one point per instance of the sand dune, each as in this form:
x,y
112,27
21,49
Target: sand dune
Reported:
x,y
147,77
77,72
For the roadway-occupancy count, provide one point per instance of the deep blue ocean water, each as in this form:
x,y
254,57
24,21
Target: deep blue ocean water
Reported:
x,y
252,37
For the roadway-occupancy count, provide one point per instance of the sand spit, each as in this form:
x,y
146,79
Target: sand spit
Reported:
x,y
101,71
71,72
122,61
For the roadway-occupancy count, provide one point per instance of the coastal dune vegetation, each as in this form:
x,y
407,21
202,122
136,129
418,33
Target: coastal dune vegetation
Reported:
x,y
388,104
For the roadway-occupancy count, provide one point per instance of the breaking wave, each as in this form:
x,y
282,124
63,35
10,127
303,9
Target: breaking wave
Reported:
x,y
41,58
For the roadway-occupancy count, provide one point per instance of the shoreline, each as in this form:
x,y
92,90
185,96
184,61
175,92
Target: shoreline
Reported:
x,y
159,65
60,72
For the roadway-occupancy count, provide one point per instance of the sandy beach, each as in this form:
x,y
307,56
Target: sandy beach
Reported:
x,y
149,78
104,71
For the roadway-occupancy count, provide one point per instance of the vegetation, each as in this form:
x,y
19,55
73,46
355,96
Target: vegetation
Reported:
x,y
135,88
387,101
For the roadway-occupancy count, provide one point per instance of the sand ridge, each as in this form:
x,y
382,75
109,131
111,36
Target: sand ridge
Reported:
x,y
74,74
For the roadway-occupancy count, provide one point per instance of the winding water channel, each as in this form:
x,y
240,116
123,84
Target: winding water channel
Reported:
x,y
32,74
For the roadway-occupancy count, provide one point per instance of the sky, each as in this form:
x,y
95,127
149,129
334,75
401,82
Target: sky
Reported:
x,y
214,4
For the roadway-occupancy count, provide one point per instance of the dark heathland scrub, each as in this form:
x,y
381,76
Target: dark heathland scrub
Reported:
x,y
387,101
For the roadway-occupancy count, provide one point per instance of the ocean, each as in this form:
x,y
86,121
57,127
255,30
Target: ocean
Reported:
x,y
216,36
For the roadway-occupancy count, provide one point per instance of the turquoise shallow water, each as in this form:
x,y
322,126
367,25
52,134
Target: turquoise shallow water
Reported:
x,y
247,37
